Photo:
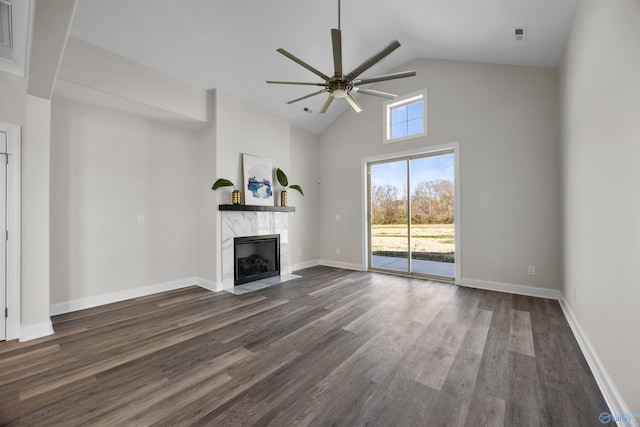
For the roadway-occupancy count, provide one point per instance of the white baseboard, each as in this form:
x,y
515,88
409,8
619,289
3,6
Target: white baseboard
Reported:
x,y
303,265
531,291
338,264
95,301
609,391
208,284
32,332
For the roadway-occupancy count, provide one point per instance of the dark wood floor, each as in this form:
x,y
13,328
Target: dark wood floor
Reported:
x,y
332,348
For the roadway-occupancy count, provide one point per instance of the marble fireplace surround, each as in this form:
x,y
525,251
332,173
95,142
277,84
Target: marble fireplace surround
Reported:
x,y
237,222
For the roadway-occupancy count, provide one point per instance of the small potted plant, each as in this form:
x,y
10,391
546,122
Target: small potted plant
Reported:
x,y
284,182
235,194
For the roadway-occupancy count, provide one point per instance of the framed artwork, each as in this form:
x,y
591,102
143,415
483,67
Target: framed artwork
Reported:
x,y
258,184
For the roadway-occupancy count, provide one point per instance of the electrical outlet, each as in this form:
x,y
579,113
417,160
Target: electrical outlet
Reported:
x,y
337,251
531,271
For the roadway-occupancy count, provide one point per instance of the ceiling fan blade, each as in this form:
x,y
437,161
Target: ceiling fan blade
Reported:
x,y
295,83
307,96
374,92
336,40
384,77
326,104
353,103
373,60
304,64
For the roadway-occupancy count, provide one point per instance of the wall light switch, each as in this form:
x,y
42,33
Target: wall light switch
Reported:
x,y
337,217
531,271
140,219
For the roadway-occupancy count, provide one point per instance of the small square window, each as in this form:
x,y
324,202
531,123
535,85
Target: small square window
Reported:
x,y
405,118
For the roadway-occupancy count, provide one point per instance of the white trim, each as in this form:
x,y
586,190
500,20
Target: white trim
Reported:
x,y
209,285
98,300
455,146
457,212
338,264
32,332
531,291
306,264
364,206
13,226
609,391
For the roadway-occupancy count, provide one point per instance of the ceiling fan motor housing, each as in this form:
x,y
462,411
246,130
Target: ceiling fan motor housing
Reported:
x,y
339,87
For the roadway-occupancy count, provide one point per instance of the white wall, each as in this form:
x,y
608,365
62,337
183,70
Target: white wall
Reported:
x,y
33,115
242,127
207,207
166,97
506,120
601,165
50,26
176,102
35,222
110,167
303,223
106,169
13,90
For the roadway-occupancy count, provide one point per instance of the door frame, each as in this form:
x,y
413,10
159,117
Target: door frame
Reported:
x,y
13,301
431,150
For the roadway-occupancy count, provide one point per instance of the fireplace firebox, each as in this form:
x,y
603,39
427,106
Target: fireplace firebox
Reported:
x,y
256,257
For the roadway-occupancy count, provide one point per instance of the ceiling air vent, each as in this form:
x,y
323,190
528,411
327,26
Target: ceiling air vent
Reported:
x,y
521,34
6,33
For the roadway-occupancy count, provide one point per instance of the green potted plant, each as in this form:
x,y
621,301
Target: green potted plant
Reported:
x,y
284,182
235,194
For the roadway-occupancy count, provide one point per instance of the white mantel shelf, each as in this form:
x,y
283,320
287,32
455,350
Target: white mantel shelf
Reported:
x,y
252,208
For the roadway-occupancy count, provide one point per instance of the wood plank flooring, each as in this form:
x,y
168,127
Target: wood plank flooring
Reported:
x,y
334,347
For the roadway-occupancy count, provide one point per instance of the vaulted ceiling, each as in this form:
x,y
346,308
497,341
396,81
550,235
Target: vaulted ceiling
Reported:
x,y
231,44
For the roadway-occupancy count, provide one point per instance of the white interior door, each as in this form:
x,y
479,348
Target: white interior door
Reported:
x,y
3,240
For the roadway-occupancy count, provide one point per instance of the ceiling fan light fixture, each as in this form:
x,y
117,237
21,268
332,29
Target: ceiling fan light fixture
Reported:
x,y
339,93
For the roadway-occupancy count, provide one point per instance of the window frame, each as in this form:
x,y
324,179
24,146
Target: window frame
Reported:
x,y
388,108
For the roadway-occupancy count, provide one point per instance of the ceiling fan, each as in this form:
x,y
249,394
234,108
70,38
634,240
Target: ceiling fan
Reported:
x,y
341,85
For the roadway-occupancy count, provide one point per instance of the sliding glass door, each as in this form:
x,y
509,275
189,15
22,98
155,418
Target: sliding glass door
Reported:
x,y
388,214
411,215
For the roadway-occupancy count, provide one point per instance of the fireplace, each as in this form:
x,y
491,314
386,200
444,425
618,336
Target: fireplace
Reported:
x,y
246,220
255,258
